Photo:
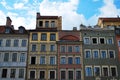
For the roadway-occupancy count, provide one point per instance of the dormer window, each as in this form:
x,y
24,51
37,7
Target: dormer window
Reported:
x,y
21,30
7,30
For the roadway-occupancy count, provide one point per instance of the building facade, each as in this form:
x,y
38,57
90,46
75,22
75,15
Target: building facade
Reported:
x,y
100,54
69,53
42,57
13,52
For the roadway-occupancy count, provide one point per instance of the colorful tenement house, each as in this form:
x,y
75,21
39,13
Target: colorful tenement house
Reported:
x,y
100,54
13,52
69,55
42,56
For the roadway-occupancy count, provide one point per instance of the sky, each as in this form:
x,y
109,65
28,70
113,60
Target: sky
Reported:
x,y
73,12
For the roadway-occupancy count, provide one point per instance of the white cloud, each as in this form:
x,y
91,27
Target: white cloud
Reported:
x,y
4,4
2,18
18,5
65,9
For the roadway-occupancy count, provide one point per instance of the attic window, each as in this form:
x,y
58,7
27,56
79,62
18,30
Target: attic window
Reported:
x,y
7,30
21,30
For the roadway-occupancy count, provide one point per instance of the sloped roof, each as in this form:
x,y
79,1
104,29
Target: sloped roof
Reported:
x,y
110,19
2,29
69,38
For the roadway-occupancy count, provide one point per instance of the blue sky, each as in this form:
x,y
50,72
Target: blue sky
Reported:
x,y
73,12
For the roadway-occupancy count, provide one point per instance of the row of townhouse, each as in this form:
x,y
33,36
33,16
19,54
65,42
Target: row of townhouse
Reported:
x,y
50,53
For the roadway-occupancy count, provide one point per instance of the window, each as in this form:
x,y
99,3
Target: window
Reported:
x,y
70,75
8,43
12,73
52,37
119,43
43,48
69,48
97,71
77,60
1,43
7,30
95,54
52,24
103,54
33,60
70,60
43,37
42,60
52,74
32,74
88,71
87,54
78,75
22,57
4,73
21,73
86,40
46,24
21,30
110,41
102,41
6,57
111,54
24,43
77,49
113,71
34,47
16,42
34,36
42,74
62,48
52,48
52,60
14,57
63,60
40,23
94,40
63,75
105,71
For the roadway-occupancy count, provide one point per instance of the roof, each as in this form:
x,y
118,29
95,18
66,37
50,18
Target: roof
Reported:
x,y
47,17
112,19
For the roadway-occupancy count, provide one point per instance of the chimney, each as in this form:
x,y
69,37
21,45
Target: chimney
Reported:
x,y
8,21
38,15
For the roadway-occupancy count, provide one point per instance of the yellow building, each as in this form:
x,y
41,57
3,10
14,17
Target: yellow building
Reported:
x,y
42,55
105,21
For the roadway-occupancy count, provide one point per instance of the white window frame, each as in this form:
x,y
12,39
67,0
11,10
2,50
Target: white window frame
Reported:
x,y
108,71
92,40
85,53
88,41
111,71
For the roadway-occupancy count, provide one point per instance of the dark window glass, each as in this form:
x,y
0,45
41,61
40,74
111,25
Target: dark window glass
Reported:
x,y
63,75
16,42
97,71
40,23
34,36
52,23
105,71
8,43
33,60
111,54
52,74
70,60
62,60
43,48
70,75
69,48
24,43
12,73
1,43
46,24
42,74
42,60
102,41
32,74
52,47
52,37
14,57
113,71
94,40
78,75
62,49
33,47
21,73
6,57
4,73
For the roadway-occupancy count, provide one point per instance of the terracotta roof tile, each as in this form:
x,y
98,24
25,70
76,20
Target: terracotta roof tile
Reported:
x,y
2,29
110,19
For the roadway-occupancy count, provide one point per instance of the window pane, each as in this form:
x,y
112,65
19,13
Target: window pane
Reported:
x,y
77,49
102,40
95,54
40,23
32,74
113,71
14,57
21,73
0,43
70,60
4,73
34,36
105,71
42,74
33,60
78,75
52,60
63,75
46,23
103,54
42,60
52,37
109,41
33,47
53,24
86,41
88,71
63,60
8,43
77,60
69,48
12,73
43,48
87,54
97,71
52,47
111,54
62,48
43,36
16,42
94,40
6,57
22,57
70,74
52,74
24,43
